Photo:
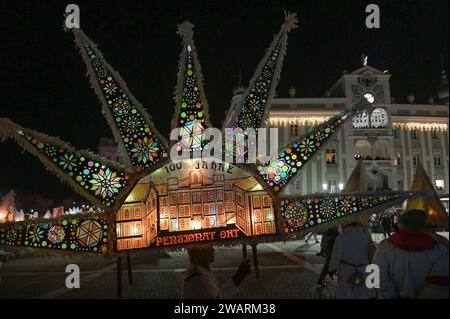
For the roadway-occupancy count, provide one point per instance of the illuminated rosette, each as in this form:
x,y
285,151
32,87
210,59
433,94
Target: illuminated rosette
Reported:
x,y
56,234
327,209
295,214
89,233
192,135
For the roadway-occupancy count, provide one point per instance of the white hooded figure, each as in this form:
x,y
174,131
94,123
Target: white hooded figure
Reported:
x,y
351,254
412,263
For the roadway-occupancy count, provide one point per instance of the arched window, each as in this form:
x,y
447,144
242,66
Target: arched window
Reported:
x,y
381,150
363,149
361,120
379,118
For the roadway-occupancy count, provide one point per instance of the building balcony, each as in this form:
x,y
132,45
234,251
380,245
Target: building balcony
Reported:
x,y
370,158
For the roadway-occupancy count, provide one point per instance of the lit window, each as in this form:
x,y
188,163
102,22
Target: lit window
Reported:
x,y
330,156
361,120
363,149
437,159
293,130
379,118
440,184
398,159
332,185
434,134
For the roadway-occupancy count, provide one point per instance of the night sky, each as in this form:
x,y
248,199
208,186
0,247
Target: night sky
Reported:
x,y
43,83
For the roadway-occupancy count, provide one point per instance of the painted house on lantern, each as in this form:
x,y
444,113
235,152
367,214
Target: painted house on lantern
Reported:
x,y
193,196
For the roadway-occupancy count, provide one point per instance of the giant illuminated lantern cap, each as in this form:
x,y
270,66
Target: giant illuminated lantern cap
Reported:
x,y
151,201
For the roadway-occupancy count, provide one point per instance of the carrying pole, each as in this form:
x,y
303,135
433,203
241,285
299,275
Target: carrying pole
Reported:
x,y
119,277
255,260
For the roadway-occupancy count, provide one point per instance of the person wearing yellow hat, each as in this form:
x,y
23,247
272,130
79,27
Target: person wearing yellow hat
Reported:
x,y
412,263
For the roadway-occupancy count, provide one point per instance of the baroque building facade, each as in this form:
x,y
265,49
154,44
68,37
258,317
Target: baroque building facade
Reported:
x,y
390,137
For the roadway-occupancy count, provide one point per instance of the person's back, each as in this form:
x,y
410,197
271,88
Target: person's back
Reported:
x,y
355,241
408,267
199,282
412,263
351,255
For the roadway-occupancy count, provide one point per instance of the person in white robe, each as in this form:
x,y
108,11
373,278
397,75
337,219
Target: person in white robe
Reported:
x,y
351,254
412,263
200,283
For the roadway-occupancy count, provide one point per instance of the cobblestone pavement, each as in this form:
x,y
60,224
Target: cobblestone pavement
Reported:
x,y
287,270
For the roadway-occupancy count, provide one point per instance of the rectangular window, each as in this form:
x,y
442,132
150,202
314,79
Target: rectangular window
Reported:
x,y
416,158
434,134
330,156
331,186
440,185
437,159
293,130
395,133
414,134
298,186
398,159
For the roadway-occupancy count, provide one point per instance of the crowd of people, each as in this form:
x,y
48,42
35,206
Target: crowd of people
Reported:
x,y
385,223
412,261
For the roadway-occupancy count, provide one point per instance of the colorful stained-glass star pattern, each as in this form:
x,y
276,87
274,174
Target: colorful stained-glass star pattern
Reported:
x,y
254,104
89,233
192,134
143,147
86,233
301,213
294,156
236,143
192,114
103,182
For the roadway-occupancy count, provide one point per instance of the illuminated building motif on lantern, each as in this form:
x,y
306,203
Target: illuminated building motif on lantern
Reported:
x,y
301,213
132,126
70,233
195,197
